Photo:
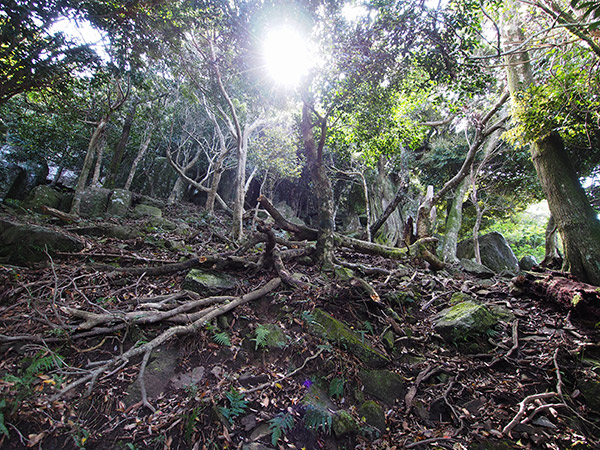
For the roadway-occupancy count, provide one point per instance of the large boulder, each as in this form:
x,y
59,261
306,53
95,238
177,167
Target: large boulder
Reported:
x,y
18,179
43,195
119,202
495,252
340,334
94,201
24,243
527,262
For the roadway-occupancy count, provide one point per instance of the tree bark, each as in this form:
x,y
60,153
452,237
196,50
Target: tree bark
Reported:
x,y
552,257
141,152
575,218
322,186
87,163
120,148
453,223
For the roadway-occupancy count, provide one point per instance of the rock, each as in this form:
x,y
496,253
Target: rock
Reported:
x,y
384,385
17,180
204,282
160,222
476,269
119,202
591,392
24,243
94,201
143,210
43,195
107,230
527,262
159,372
464,322
496,254
275,336
9,174
388,339
288,213
343,424
372,414
183,380
341,335
459,297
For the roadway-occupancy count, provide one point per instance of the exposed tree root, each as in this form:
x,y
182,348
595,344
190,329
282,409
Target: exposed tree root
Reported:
x,y
121,361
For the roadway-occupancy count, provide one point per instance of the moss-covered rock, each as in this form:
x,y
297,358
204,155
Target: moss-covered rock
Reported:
x,y
388,339
94,201
372,414
343,273
43,195
384,385
119,202
204,282
464,322
459,297
338,333
343,424
274,336
142,210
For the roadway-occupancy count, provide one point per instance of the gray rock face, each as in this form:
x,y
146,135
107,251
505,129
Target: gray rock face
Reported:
x,y
94,202
495,252
527,262
204,282
17,180
119,202
24,243
479,270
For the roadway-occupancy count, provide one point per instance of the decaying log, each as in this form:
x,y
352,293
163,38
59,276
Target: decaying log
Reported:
x,y
583,298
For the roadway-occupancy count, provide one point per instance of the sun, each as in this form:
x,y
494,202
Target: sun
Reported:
x,y
287,56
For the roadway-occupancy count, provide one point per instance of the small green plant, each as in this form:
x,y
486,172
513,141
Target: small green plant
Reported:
x,y
336,387
41,363
190,424
191,390
261,334
222,338
237,405
280,425
315,418
81,437
3,429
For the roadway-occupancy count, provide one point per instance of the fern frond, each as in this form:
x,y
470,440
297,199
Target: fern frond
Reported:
x,y
315,418
336,387
261,334
222,338
280,425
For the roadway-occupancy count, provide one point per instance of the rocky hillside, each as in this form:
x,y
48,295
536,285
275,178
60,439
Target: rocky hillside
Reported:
x,y
155,331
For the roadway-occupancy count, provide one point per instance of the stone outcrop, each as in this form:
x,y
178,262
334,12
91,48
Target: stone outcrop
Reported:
x,y
496,254
340,334
25,244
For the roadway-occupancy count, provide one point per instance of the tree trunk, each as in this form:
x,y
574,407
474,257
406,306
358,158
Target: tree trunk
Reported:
x,y
453,223
87,164
141,152
99,157
574,217
322,187
552,257
177,191
115,163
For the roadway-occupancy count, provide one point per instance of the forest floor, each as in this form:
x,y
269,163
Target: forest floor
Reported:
x,y
224,386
